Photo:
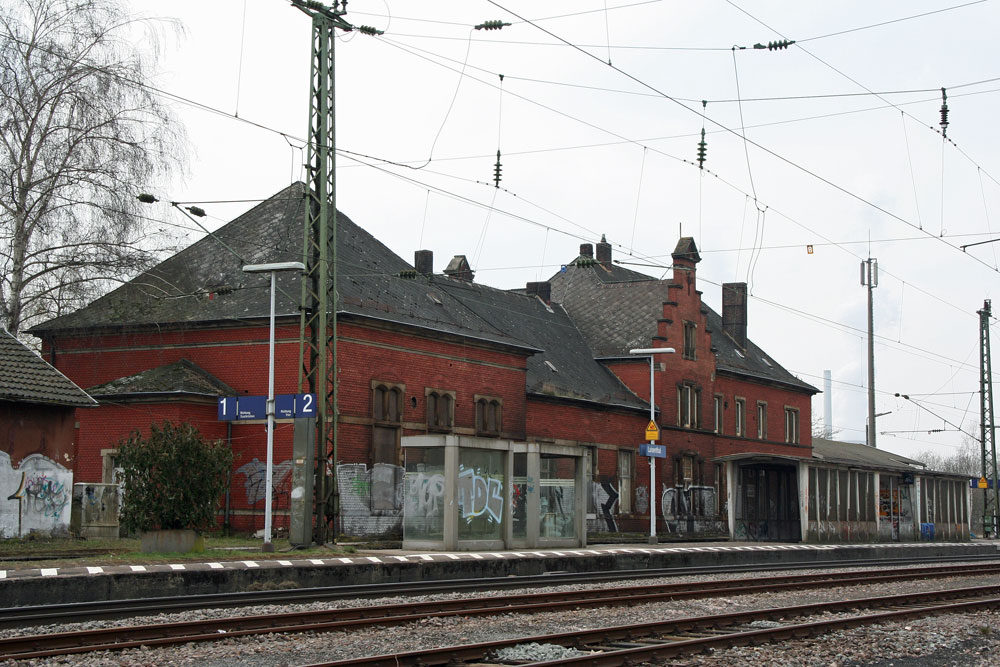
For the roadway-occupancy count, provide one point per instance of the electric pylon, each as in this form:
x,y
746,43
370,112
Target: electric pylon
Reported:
x,y
991,497
318,324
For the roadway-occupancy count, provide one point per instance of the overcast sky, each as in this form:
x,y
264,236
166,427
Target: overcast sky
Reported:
x,y
598,117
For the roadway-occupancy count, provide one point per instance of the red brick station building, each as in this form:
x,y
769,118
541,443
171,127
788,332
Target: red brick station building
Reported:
x,y
448,387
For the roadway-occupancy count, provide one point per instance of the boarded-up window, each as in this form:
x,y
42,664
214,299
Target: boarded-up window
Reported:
x,y
488,415
440,409
387,402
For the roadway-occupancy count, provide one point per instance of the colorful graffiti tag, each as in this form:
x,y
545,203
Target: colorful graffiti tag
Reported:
x,y
35,497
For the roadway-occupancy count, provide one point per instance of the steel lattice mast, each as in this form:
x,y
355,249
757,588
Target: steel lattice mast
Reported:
x,y
991,495
318,335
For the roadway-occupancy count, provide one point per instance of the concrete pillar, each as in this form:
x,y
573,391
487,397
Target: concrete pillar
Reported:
x,y
450,492
534,507
581,500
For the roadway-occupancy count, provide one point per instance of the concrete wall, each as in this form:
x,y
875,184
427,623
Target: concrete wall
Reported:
x,y
34,497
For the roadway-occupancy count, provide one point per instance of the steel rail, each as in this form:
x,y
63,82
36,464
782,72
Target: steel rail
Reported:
x,y
649,648
47,645
12,617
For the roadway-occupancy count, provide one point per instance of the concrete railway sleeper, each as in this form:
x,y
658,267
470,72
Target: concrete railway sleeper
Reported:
x,y
649,642
354,618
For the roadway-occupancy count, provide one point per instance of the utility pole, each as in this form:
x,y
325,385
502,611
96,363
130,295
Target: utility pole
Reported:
x,y
869,278
991,495
318,351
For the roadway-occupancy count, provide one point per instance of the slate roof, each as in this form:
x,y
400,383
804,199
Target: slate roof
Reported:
x,y
204,283
617,309
181,377
27,378
564,366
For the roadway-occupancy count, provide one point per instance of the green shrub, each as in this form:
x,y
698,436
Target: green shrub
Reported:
x,y
173,479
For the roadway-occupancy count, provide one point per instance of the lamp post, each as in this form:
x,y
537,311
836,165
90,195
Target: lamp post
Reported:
x,y
273,269
650,351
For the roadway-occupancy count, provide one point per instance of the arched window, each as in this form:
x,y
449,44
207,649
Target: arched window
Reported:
x,y
440,409
489,415
387,403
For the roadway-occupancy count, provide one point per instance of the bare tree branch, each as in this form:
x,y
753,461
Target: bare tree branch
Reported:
x,y
79,139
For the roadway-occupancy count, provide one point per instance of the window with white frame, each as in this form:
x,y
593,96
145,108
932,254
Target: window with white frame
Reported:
x,y
792,425
761,420
741,416
626,480
688,399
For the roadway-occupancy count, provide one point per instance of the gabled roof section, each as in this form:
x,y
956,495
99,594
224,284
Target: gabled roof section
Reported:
x,y
181,378
564,366
615,316
205,283
27,378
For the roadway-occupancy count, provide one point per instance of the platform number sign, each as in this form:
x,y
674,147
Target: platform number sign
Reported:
x,y
227,408
254,408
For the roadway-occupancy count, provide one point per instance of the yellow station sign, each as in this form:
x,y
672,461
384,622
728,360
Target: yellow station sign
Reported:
x,y
652,431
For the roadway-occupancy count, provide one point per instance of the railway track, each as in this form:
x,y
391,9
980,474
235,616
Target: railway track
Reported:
x,y
356,618
637,643
14,617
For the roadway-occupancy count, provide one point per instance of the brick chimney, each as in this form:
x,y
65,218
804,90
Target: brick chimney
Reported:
x,y
542,290
734,311
459,269
604,253
423,262
586,250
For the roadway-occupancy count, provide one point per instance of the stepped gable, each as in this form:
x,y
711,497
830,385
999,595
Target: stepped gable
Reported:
x,y
181,378
616,309
27,378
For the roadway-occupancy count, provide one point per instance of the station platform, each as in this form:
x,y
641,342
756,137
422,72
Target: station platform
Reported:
x,y
82,583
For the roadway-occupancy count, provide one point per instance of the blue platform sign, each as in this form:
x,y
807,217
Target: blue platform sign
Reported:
x,y
286,406
252,407
227,408
657,451
305,405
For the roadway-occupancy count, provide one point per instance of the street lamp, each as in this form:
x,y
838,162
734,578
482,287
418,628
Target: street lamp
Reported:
x,y
273,269
870,428
652,418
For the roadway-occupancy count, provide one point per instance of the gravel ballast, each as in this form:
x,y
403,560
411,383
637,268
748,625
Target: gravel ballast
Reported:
x,y
955,639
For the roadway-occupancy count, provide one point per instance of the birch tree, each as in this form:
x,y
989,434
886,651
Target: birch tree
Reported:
x,y
80,136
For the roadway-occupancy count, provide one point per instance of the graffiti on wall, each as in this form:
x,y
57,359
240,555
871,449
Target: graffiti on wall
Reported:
x,y
605,495
255,472
35,497
752,531
371,501
425,494
479,495
679,502
45,495
642,499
